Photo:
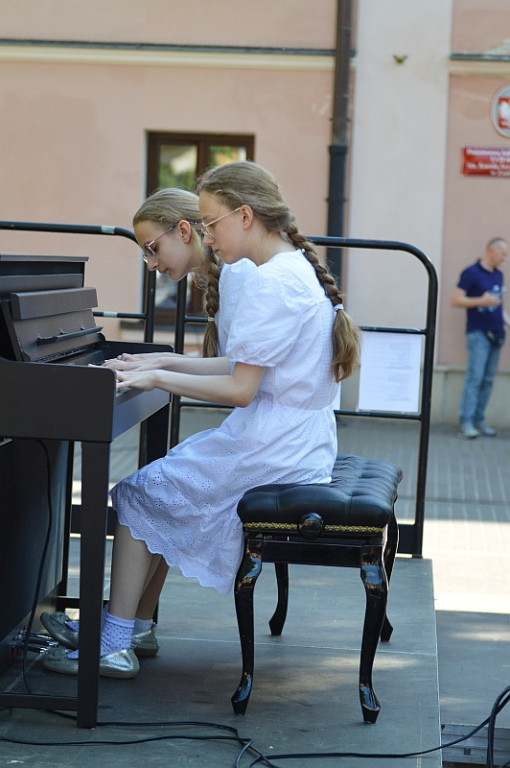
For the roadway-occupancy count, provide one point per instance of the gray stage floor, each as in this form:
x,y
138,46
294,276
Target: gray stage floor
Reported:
x,y
305,697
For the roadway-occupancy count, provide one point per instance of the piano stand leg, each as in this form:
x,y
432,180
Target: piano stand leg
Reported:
x,y
95,475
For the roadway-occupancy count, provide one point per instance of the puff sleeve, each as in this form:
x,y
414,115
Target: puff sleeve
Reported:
x,y
268,319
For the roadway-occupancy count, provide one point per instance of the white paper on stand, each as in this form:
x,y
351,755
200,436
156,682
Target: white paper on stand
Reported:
x,y
390,372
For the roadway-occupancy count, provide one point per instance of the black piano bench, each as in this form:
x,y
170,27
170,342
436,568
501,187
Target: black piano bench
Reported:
x,y
348,522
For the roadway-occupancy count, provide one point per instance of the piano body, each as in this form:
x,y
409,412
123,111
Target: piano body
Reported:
x,y
50,399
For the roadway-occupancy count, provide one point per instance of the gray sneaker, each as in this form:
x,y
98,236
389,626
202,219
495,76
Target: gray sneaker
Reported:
x,y
145,643
468,432
485,430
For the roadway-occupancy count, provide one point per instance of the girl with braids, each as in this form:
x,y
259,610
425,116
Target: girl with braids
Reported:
x,y
289,344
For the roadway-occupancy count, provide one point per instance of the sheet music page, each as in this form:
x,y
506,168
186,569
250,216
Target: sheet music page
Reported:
x,y
390,372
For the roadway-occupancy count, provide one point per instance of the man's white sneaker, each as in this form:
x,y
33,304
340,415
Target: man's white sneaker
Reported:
x,y
486,431
468,432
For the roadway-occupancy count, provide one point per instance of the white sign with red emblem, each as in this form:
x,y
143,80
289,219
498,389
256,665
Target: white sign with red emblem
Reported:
x,y
500,111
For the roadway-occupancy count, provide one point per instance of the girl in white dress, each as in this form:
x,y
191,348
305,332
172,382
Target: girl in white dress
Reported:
x,y
290,343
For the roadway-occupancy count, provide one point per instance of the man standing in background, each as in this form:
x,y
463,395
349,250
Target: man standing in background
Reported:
x,y
480,291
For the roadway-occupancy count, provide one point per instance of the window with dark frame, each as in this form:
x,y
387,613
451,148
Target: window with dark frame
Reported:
x,y
176,160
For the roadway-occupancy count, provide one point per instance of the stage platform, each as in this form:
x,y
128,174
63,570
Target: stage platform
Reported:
x,y
305,697
447,661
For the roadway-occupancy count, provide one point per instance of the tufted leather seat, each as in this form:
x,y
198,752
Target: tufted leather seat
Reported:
x,y
347,522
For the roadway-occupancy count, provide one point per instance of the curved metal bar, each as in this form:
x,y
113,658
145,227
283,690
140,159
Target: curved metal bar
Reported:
x,y
79,229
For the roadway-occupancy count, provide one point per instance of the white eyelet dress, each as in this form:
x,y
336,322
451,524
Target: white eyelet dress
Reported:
x,y
184,505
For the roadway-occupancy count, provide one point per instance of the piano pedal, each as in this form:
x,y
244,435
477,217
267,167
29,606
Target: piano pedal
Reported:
x,y
37,642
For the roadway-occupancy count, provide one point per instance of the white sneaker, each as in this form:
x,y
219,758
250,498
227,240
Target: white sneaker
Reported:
x,y
485,431
468,431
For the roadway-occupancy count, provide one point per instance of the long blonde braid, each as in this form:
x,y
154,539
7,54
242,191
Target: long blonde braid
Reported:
x,y
346,335
211,302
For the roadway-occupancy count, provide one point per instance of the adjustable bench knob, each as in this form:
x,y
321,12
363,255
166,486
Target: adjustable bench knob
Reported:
x,y
311,526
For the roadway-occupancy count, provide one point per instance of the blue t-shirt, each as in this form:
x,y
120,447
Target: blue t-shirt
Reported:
x,y
475,281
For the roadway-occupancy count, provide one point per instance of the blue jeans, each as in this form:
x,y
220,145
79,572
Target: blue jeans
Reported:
x,y
482,364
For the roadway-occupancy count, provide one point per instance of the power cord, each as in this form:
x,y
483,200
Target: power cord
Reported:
x,y
500,702
230,735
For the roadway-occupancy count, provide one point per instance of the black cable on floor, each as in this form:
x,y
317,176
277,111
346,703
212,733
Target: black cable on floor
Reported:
x,y
247,743
500,702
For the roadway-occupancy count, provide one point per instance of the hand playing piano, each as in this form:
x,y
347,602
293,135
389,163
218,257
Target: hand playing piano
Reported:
x,y
138,379
129,358
125,365
143,361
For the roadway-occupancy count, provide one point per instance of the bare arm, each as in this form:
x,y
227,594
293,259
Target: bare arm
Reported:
x,y
170,361
238,388
487,299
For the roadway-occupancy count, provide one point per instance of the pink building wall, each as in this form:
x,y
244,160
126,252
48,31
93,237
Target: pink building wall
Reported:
x,y
476,207
75,117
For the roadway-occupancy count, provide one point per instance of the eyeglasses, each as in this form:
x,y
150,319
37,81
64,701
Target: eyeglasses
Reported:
x,y
148,248
208,230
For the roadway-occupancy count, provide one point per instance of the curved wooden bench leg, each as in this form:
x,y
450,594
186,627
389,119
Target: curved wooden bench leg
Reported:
x,y
277,620
375,582
390,552
246,578
387,630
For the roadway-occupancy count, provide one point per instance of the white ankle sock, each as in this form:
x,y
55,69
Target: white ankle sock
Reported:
x,y
115,635
142,625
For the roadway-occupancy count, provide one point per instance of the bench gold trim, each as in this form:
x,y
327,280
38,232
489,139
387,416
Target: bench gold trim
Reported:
x,y
287,528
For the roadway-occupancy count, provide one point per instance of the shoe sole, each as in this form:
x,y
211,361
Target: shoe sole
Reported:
x,y
145,653
111,673
118,675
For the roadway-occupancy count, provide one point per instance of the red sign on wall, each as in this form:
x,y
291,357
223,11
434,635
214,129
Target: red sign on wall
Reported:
x,y
503,113
486,161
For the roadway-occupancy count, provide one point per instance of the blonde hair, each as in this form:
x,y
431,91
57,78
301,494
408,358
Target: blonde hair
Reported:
x,y
168,207
247,183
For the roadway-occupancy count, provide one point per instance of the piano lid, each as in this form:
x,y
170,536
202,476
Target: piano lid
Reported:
x,y
25,272
45,312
